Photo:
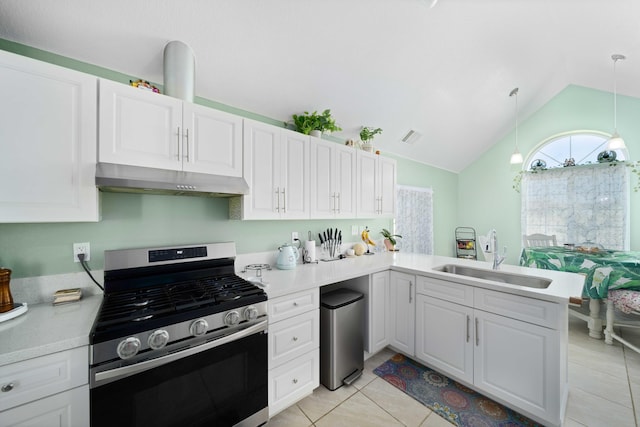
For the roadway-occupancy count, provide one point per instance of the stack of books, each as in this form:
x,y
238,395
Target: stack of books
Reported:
x,y
67,295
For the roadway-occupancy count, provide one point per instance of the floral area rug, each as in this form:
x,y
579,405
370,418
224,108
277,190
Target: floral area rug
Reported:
x,y
453,401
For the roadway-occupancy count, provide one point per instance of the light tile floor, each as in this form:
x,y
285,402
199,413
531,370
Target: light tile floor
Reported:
x,y
604,391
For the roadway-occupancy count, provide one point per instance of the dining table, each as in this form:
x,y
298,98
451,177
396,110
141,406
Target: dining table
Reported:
x,y
603,270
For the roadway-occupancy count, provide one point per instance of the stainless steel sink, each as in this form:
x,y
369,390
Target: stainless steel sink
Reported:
x,y
495,276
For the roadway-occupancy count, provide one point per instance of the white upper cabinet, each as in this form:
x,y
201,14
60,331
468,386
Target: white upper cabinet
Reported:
x,y
213,141
48,132
333,180
276,167
142,128
376,186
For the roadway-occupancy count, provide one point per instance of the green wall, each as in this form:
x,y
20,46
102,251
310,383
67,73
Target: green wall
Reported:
x,y
486,197
132,220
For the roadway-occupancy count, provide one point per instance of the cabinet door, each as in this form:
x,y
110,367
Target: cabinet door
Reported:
x,y
48,131
518,362
378,312
212,141
386,190
402,312
262,171
323,196
139,128
367,205
294,175
444,336
345,181
66,409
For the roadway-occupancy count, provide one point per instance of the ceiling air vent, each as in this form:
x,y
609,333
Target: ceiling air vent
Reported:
x,y
411,137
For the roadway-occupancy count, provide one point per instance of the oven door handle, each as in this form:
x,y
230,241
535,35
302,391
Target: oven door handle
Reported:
x,y
129,370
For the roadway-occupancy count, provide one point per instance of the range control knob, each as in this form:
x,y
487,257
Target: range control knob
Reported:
x,y
158,339
251,313
199,327
129,347
231,318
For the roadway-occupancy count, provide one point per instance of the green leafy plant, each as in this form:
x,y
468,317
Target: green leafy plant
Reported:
x,y
391,237
307,122
328,123
367,133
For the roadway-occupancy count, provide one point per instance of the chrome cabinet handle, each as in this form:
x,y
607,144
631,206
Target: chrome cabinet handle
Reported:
x,y
295,381
410,291
284,201
339,203
179,134
278,198
333,207
8,387
295,338
468,320
477,337
188,156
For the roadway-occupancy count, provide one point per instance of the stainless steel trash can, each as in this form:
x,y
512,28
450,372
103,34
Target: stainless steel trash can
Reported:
x,y
341,341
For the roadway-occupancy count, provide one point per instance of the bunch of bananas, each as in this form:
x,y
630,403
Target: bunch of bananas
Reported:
x,y
365,237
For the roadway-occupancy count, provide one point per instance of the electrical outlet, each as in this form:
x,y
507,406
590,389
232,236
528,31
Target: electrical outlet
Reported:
x,y
81,248
354,230
294,236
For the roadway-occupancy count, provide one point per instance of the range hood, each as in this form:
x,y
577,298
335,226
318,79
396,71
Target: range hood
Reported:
x,y
136,179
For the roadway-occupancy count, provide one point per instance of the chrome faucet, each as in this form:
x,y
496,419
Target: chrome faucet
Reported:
x,y
497,258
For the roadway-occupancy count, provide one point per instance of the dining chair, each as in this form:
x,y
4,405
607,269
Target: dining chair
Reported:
x,y
537,240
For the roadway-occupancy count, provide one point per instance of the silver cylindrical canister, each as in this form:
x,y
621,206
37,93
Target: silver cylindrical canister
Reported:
x,y
179,71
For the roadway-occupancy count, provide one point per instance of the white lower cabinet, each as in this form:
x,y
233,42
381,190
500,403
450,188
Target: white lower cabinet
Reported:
x,y
46,391
66,409
402,306
498,353
378,316
294,348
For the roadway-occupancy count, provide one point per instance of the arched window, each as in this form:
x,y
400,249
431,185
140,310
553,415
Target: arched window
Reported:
x,y
573,188
573,148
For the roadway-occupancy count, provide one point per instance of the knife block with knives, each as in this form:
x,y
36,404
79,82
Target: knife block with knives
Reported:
x,y
331,243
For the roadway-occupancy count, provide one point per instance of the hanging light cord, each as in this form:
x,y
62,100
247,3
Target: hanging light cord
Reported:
x,y
615,58
615,96
514,92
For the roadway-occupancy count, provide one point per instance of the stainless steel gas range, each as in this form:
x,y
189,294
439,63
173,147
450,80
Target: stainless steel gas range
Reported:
x,y
180,339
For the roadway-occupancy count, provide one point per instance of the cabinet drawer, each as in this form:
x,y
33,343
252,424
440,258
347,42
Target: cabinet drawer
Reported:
x,y
529,310
66,409
43,376
445,290
293,337
292,381
291,305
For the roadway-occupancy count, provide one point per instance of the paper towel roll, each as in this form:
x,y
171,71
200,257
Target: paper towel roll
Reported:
x,y
310,250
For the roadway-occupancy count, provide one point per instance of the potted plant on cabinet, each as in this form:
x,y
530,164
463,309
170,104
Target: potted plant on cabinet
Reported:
x,y
390,239
314,124
366,136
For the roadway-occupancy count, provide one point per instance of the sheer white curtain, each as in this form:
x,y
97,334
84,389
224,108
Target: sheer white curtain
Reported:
x,y
579,203
414,219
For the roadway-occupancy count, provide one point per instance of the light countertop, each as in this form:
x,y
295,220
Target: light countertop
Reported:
x,y
46,329
307,276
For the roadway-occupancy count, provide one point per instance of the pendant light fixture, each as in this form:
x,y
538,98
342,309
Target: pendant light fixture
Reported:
x,y
516,157
615,142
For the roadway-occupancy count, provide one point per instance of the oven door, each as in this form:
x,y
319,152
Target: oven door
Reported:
x,y
219,383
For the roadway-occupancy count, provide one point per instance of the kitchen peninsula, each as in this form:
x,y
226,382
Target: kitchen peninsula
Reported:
x,y
380,275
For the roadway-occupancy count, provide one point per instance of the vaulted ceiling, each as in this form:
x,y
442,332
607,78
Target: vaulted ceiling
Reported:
x,y
444,71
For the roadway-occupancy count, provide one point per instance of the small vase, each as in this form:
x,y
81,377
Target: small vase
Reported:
x,y
316,133
366,146
390,246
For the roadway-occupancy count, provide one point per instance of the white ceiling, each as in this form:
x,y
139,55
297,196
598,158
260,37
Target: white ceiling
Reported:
x,y
444,71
